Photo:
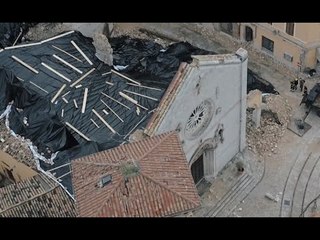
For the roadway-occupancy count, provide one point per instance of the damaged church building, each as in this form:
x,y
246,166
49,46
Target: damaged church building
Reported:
x,y
131,139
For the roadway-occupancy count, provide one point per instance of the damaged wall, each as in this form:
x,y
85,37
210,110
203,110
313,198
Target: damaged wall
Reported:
x,y
209,107
13,169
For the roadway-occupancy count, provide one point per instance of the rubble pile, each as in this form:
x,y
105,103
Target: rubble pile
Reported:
x,y
16,147
275,116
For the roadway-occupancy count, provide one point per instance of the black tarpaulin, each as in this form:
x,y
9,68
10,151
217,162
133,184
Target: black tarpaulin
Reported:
x,y
36,118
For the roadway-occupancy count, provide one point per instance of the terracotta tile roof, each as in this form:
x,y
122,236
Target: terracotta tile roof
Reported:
x,y
166,100
163,185
37,196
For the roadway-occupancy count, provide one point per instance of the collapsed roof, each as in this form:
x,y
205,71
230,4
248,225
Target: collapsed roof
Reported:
x,y
70,104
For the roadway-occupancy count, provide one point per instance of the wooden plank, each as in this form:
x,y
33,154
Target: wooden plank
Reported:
x,y
81,52
56,37
62,112
84,103
66,94
94,123
132,100
104,74
109,83
37,86
20,79
141,86
104,121
14,43
75,103
66,63
65,100
58,93
129,79
79,86
77,131
65,52
141,95
1,50
128,98
81,78
115,100
25,64
56,72
23,45
112,110
105,112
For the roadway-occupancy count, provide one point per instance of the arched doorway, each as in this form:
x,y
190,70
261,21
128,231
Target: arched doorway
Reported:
x,y
248,34
197,170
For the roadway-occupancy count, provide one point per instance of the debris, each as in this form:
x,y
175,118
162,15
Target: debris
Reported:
x,y
82,53
56,72
129,79
75,103
58,93
39,87
94,123
66,53
77,131
2,140
84,100
104,121
66,63
270,197
25,121
112,110
25,64
141,95
115,100
81,78
103,48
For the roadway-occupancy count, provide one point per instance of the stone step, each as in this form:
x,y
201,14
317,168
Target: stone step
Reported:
x,y
232,196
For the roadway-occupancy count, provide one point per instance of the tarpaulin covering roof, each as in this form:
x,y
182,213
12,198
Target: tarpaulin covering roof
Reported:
x,y
35,116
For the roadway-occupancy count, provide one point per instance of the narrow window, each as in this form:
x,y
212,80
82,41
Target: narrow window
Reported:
x,y
290,28
267,44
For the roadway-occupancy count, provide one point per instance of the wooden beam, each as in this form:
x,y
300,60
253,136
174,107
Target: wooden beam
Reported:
x,y
23,45
129,79
82,53
109,83
79,86
128,98
84,103
66,94
107,73
102,120
75,103
77,131
37,86
112,110
59,36
58,93
115,100
14,43
157,89
65,52
56,72
105,112
132,100
81,78
94,123
65,100
66,63
141,95
62,112
25,64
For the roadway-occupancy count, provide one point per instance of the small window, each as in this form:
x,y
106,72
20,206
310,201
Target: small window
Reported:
x,y
290,28
288,57
267,44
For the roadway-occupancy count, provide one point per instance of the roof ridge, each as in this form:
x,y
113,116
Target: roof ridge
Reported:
x,y
28,200
170,133
162,185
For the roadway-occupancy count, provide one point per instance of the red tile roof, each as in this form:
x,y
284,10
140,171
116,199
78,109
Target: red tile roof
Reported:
x,y
163,185
37,196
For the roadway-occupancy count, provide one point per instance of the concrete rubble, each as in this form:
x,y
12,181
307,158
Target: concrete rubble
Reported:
x,y
274,119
